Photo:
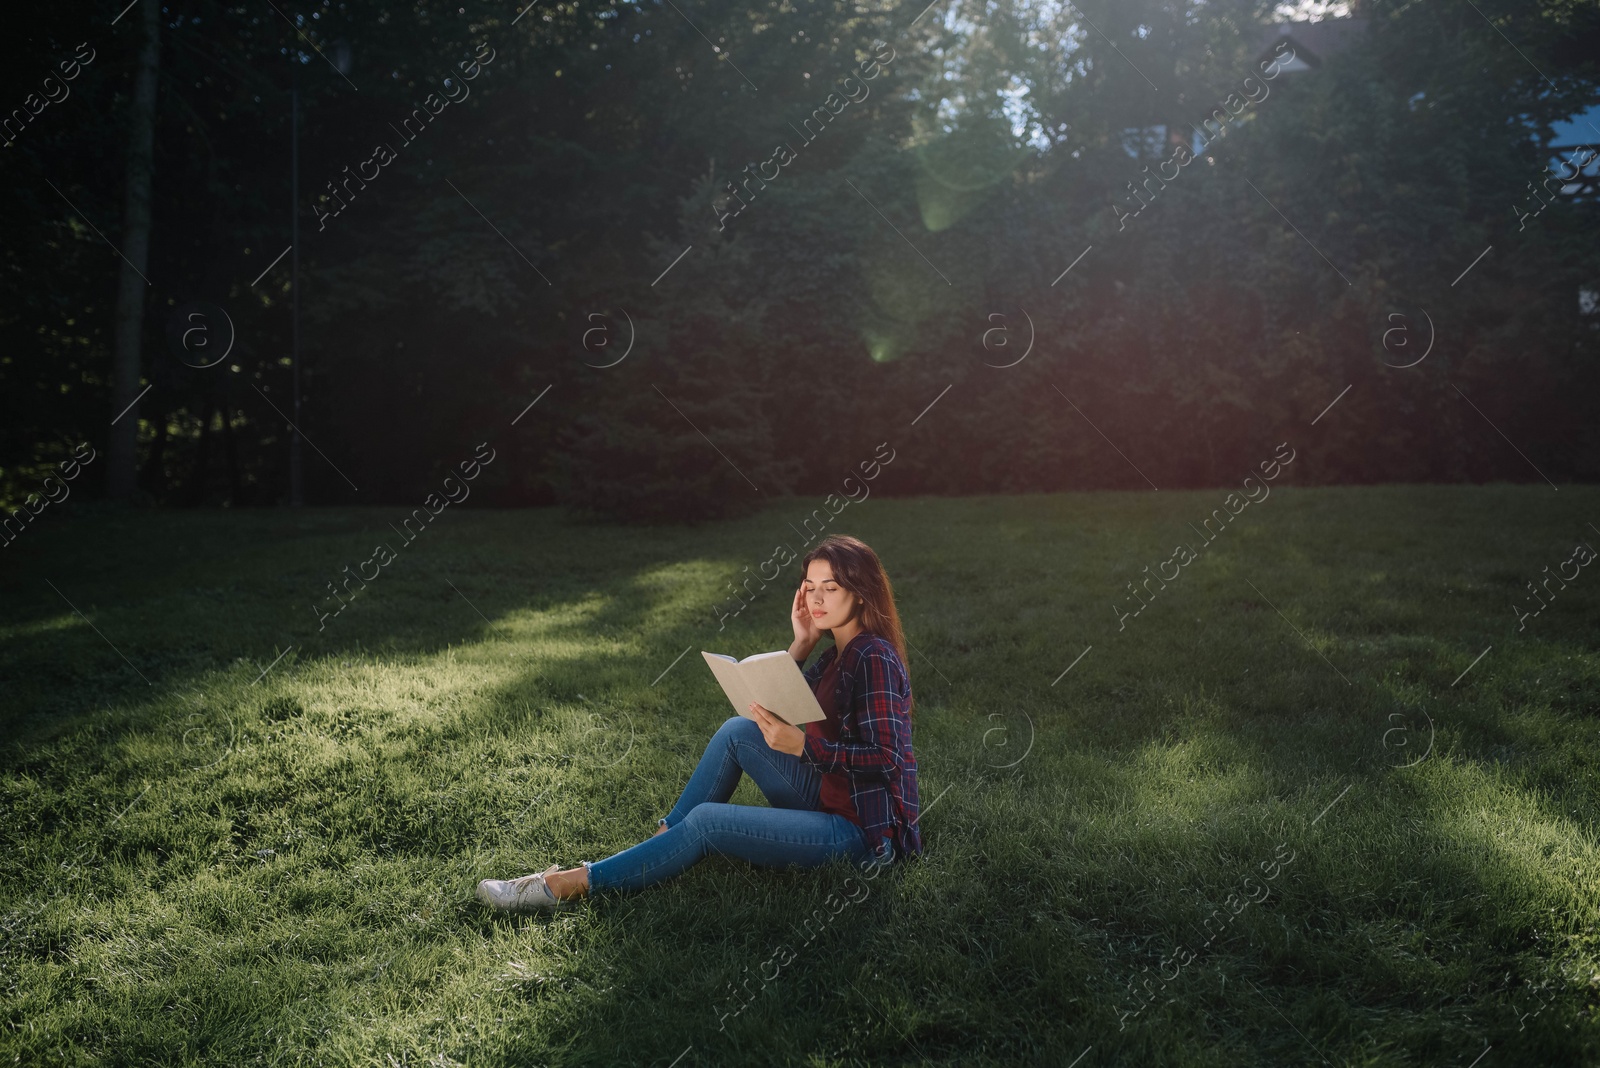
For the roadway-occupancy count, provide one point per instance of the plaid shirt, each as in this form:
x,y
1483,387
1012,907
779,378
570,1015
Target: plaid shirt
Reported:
x,y
873,697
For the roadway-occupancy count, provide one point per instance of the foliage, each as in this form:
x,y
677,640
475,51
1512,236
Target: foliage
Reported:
x,y
459,284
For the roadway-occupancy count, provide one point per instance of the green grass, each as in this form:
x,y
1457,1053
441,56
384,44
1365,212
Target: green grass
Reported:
x,y
201,864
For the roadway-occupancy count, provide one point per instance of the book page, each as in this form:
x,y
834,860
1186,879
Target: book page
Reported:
x,y
727,672
776,683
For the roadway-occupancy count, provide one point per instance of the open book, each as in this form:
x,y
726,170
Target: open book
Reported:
x,y
771,680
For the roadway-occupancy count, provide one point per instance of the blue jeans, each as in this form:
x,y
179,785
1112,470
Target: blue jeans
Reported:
x,y
792,831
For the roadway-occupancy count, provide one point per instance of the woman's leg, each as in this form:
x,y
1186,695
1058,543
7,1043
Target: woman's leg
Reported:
x,y
738,746
770,837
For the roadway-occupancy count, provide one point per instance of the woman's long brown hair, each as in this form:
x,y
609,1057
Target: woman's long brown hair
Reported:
x,y
857,568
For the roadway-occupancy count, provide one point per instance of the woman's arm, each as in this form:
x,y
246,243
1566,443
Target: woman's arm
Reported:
x,y
880,720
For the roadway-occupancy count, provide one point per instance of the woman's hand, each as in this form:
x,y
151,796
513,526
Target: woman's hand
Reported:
x,y
781,736
806,632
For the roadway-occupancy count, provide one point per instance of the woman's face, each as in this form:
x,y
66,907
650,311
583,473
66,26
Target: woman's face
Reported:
x,y
830,603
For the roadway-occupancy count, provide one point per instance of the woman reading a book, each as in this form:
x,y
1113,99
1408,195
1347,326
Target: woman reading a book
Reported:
x,y
842,787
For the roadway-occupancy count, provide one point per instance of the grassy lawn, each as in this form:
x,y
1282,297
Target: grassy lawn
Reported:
x,y
1274,819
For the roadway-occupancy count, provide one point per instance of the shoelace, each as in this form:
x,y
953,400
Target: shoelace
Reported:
x,y
521,883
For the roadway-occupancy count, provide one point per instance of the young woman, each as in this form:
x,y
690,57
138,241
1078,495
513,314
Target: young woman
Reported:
x,y
844,787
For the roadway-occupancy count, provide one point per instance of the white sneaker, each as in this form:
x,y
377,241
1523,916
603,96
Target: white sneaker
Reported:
x,y
525,894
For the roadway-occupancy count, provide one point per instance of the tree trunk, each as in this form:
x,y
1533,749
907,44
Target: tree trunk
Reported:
x,y
136,248
232,448
152,478
200,476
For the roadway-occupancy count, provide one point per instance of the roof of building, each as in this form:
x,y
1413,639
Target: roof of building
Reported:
x,y
1313,41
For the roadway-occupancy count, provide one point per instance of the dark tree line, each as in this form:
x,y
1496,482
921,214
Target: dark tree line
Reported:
x,y
728,263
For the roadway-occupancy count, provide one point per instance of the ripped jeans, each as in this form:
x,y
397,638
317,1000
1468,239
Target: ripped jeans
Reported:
x,y
792,832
